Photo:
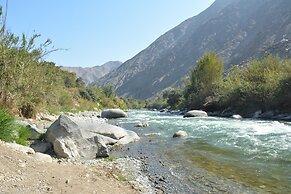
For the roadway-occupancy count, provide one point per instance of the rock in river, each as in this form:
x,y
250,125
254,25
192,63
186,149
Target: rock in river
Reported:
x,y
113,114
236,117
74,137
180,134
196,113
142,125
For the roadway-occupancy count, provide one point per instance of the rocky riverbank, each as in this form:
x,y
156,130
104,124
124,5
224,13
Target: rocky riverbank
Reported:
x,y
60,142
23,173
82,135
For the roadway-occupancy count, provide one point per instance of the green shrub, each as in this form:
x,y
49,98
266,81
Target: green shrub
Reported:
x,y
23,135
7,126
203,80
10,131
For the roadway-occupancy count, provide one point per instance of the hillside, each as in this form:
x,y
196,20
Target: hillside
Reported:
x,y
236,29
91,74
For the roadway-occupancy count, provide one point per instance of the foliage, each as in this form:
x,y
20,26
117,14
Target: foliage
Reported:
x,y
28,84
10,131
203,80
134,104
109,91
169,98
6,126
174,97
23,135
157,103
262,84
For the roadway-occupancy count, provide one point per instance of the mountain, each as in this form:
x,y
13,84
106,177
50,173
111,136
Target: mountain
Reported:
x,y
91,74
235,29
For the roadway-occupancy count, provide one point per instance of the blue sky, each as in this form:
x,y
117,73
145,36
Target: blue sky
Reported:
x,y
97,31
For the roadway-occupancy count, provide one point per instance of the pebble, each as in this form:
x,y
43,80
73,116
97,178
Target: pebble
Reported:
x,y
22,165
262,186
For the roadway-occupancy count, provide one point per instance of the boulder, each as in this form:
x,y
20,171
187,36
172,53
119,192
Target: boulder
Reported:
x,y
35,132
257,114
74,137
113,114
130,137
236,117
66,148
196,113
102,150
267,114
41,146
43,157
180,134
105,140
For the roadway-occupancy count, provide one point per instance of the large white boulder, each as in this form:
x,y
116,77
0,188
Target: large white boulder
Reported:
x,y
196,113
113,114
74,137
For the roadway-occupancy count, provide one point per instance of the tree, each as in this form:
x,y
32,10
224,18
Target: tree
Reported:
x,y
203,80
109,91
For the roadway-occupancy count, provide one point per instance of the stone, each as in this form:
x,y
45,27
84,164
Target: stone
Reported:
x,y
113,114
47,117
130,137
236,117
142,125
41,146
267,114
105,140
196,113
21,148
65,148
257,114
35,132
74,137
180,134
164,110
102,150
43,157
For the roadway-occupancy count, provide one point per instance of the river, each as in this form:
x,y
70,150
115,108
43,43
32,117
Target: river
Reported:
x,y
219,154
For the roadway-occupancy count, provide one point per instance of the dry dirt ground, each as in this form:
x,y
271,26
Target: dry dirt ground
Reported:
x,y
21,173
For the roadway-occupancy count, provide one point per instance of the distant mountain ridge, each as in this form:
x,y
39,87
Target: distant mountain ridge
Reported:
x,y
92,74
235,29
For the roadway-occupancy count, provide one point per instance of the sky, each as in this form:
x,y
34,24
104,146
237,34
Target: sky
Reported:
x,y
93,32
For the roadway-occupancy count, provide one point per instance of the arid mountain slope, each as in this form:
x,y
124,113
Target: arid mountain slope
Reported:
x,y
236,29
91,74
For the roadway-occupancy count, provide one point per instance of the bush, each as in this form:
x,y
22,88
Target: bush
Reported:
x,y
23,135
6,126
262,84
203,80
10,131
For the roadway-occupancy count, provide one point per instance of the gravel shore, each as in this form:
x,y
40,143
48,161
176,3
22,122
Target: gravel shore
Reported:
x,y
22,173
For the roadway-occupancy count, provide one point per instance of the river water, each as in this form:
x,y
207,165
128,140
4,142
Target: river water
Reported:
x,y
246,155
